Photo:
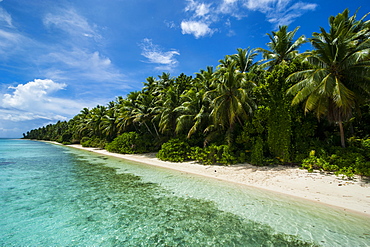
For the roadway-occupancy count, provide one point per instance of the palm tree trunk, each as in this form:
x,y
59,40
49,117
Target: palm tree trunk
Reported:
x,y
147,127
156,131
342,140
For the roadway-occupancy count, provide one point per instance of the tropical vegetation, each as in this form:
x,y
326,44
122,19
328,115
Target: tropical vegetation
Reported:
x,y
291,108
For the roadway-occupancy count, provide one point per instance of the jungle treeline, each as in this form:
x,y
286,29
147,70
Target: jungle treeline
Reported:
x,y
309,108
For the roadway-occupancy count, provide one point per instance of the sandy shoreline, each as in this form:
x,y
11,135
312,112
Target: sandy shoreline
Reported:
x,y
345,194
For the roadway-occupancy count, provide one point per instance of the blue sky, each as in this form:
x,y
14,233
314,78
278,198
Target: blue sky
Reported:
x,y
57,56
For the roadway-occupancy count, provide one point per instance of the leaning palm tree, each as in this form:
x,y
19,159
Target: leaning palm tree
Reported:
x,y
282,46
339,79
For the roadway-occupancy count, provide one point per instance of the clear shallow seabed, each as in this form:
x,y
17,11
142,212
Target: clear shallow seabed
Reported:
x,y
53,195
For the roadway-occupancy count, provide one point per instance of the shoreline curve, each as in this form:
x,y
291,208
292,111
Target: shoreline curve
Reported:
x,y
347,195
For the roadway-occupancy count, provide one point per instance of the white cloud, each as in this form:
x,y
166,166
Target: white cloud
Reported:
x,y
230,7
304,6
203,15
170,24
73,55
71,22
79,63
261,5
156,55
198,29
200,9
81,60
19,116
77,59
280,12
34,100
32,91
8,130
11,40
5,18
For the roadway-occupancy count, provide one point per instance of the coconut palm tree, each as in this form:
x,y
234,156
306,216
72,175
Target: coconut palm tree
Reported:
x,y
171,100
244,59
204,78
339,79
150,85
231,102
95,121
165,81
282,46
125,112
194,111
109,124
80,127
143,113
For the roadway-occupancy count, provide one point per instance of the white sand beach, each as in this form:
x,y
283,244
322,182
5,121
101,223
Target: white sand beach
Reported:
x,y
353,195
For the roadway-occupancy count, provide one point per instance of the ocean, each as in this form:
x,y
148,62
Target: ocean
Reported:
x,y
54,195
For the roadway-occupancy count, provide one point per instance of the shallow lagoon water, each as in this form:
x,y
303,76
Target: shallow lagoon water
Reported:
x,y
55,195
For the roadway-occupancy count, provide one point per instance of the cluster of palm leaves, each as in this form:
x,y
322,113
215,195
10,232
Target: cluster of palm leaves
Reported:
x,y
338,82
217,103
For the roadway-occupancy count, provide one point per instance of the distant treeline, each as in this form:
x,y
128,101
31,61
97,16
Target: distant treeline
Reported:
x,y
308,108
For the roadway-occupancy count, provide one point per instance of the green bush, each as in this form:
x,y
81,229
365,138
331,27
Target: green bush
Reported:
x,y
363,169
174,150
86,142
66,137
346,171
93,142
214,154
84,139
257,156
366,145
128,143
346,161
314,163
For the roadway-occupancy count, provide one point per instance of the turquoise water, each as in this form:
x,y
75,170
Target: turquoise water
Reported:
x,y
52,195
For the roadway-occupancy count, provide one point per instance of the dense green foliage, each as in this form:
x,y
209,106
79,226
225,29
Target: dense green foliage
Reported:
x,y
248,111
352,160
338,78
92,142
214,154
174,150
129,143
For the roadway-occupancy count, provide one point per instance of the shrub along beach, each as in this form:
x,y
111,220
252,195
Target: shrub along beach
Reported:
x,y
306,109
